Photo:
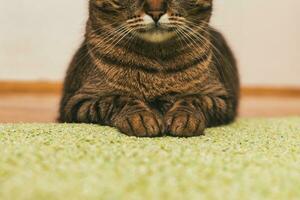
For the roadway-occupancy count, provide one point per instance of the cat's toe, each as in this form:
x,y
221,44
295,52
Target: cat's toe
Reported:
x,y
140,124
184,124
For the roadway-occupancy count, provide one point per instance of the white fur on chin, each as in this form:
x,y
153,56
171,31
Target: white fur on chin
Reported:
x,y
156,36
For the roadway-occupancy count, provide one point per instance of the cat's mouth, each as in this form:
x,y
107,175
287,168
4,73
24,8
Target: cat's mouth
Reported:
x,y
155,31
156,36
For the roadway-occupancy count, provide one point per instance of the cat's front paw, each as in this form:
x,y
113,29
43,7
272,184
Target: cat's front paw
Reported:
x,y
181,123
140,123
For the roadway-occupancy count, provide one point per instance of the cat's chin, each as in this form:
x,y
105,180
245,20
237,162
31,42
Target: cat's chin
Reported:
x,y
156,36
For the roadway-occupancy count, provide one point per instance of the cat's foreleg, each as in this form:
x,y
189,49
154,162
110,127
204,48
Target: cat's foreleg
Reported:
x,y
190,116
131,116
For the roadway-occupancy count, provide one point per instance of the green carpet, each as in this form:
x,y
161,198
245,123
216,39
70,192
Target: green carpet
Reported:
x,y
251,159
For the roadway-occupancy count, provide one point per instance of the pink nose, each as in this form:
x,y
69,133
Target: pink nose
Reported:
x,y
155,8
155,4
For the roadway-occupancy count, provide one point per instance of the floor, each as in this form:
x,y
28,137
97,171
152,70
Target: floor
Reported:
x,y
43,108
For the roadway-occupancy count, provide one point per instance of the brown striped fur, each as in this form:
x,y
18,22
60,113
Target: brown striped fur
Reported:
x,y
175,77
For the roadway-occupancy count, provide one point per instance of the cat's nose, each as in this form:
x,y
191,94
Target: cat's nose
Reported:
x,y
156,15
155,8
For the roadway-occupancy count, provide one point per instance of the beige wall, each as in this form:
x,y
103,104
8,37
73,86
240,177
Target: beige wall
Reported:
x,y
37,38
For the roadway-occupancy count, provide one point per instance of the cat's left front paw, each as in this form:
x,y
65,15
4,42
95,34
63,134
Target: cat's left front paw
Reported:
x,y
182,123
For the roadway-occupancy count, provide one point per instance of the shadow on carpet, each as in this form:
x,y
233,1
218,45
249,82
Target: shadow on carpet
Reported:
x,y
251,159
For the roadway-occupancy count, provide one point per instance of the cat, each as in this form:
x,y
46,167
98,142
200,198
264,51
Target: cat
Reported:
x,y
152,68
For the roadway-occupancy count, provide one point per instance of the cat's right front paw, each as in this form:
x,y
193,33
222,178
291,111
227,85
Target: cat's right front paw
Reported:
x,y
141,124
184,122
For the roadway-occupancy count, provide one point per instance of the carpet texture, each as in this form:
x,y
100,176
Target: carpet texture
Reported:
x,y
251,159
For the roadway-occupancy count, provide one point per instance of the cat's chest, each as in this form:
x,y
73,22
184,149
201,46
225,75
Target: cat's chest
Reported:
x,y
151,85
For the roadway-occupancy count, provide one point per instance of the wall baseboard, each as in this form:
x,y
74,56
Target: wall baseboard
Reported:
x,y
270,91
38,87
42,87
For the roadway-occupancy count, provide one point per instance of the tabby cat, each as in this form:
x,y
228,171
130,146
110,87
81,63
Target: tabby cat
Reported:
x,y
151,68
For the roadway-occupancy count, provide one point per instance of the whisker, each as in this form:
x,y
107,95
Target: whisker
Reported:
x,y
199,49
215,49
92,48
186,40
117,40
98,44
210,45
